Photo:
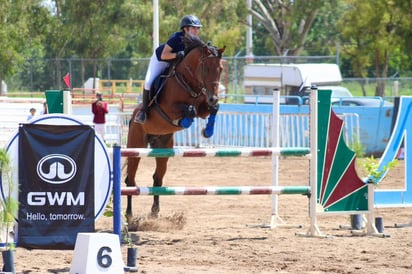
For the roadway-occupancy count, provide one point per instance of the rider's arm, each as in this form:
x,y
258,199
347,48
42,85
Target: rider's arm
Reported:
x,y
167,53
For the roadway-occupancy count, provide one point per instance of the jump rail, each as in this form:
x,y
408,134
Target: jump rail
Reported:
x,y
216,190
211,152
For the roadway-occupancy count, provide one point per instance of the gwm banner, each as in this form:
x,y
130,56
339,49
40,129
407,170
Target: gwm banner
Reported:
x,y
56,184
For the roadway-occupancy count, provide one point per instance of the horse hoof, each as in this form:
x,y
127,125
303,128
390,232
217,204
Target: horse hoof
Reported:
x,y
207,133
129,218
133,226
155,211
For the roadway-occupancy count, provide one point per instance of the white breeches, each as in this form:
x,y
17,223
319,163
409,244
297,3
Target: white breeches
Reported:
x,y
155,68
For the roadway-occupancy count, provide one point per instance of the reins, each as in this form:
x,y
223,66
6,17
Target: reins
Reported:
x,y
186,86
196,92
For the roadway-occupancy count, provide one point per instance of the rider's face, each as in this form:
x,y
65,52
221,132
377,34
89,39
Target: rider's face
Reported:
x,y
193,30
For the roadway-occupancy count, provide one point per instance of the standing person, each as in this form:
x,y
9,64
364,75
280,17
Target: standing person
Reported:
x,y
163,55
44,110
32,113
99,109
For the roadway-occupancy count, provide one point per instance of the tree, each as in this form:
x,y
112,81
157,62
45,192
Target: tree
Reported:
x,y
138,20
40,23
404,31
287,22
369,37
14,35
223,21
323,36
94,29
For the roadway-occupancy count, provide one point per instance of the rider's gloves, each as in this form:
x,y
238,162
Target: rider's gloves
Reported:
x,y
180,55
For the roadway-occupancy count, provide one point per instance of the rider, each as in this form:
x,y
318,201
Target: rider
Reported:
x,y
163,55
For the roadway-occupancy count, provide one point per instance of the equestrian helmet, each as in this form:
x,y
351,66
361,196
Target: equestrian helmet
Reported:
x,y
190,21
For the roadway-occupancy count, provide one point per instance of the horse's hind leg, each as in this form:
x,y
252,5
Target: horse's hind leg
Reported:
x,y
132,165
161,167
136,139
164,141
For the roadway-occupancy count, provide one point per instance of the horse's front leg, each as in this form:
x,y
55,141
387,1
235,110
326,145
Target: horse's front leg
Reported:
x,y
161,167
210,125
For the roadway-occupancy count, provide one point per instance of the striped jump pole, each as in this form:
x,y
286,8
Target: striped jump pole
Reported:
x,y
214,152
217,190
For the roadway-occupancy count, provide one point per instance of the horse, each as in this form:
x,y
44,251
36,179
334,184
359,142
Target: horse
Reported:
x,y
190,90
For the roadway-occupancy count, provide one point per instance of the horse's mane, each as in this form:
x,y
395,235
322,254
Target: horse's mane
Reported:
x,y
192,42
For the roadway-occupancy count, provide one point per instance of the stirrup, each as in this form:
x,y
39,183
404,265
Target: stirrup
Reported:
x,y
141,117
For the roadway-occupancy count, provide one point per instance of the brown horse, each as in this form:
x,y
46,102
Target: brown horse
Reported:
x,y
190,91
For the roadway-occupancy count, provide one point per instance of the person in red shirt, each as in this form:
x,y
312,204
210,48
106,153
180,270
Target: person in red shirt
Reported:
x,y
44,110
99,109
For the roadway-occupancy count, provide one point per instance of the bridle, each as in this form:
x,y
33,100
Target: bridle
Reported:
x,y
201,88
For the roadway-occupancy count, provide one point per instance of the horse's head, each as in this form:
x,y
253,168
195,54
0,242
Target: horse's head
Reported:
x,y
201,68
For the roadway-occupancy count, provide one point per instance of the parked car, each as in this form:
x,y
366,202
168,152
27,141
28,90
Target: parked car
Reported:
x,y
337,91
360,101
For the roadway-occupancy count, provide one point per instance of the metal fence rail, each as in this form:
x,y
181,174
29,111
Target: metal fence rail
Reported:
x,y
47,74
232,129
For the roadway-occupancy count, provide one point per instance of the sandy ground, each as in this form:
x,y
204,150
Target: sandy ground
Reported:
x,y
226,234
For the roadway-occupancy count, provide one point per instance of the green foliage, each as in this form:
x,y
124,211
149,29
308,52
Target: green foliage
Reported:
x,y
127,238
15,35
4,161
370,165
108,212
370,39
288,23
367,87
8,205
137,20
358,148
323,35
374,174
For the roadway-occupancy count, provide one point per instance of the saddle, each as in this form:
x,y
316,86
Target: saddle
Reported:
x,y
157,87
155,95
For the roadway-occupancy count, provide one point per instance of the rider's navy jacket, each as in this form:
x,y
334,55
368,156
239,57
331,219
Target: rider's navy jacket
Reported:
x,y
175,42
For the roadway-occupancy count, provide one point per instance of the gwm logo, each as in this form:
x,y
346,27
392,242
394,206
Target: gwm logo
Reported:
x,y
56,168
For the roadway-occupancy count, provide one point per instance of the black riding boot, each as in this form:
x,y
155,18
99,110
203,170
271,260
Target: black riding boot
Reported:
x,y
141,116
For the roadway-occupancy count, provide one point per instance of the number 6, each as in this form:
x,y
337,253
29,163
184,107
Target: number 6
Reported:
x,y
104,260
